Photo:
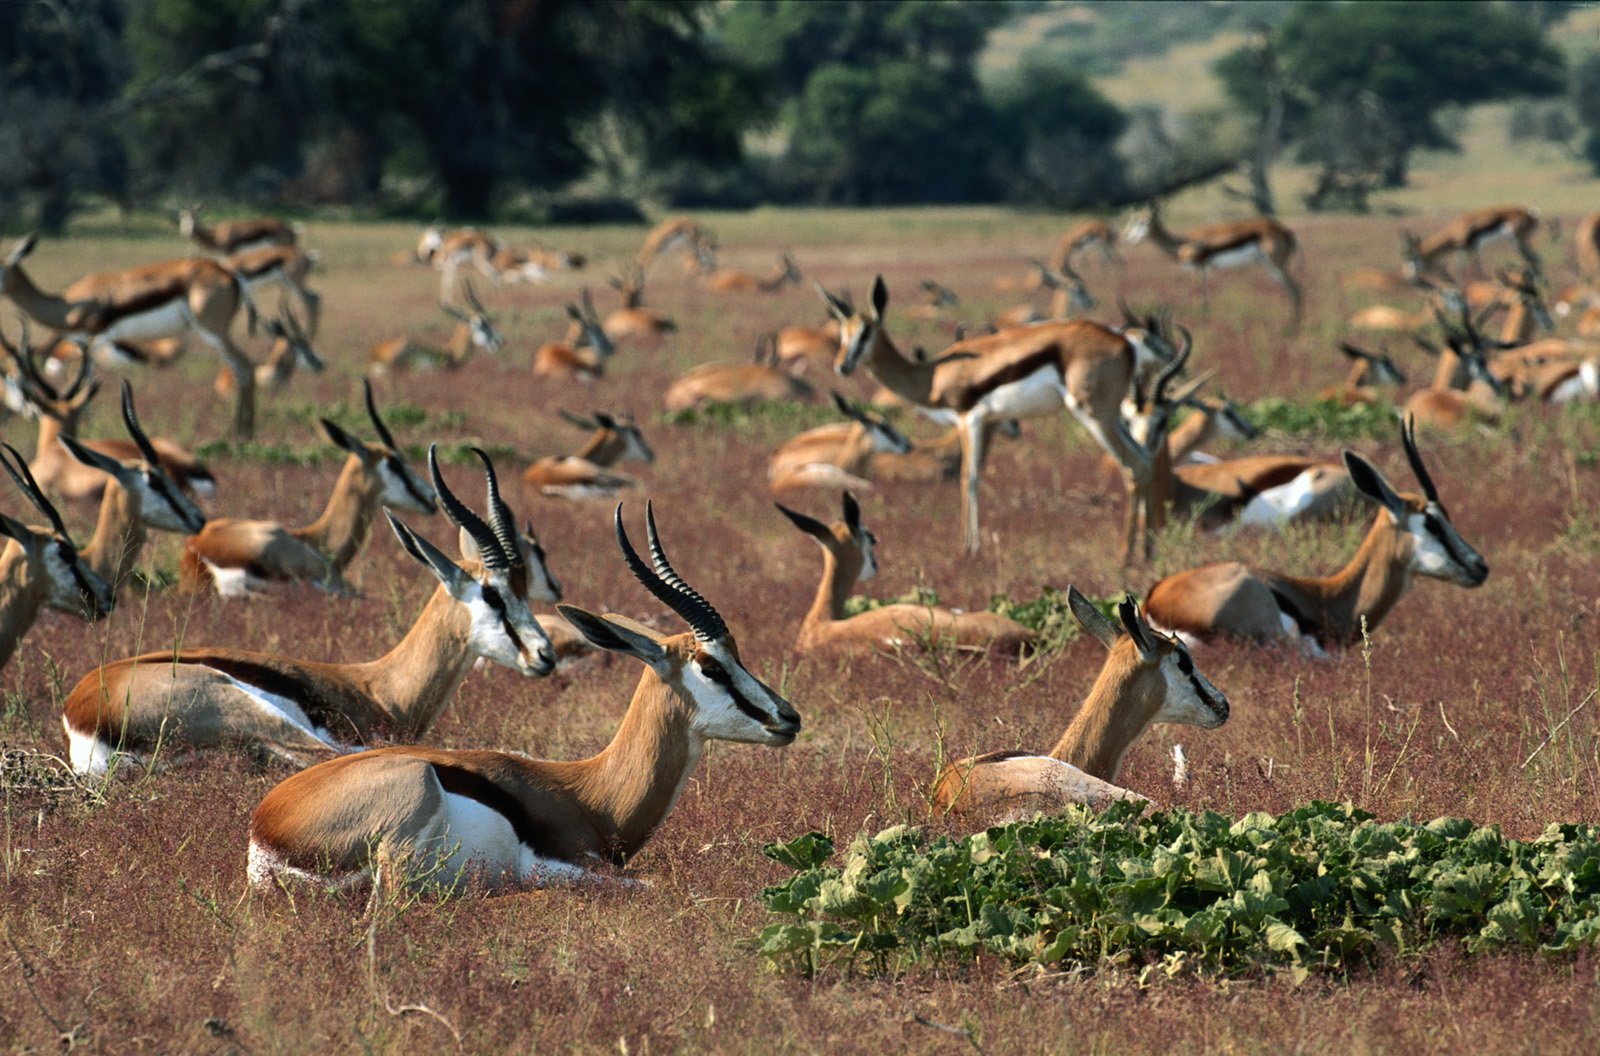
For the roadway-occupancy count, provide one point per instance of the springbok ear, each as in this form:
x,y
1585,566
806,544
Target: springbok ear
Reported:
x,y
612,637
14,529
95,460
880,297
1365,476
1138,630
1094,622
339,438
810,525
452,575
852,513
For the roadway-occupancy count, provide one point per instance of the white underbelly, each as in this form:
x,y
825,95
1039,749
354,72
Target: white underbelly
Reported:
x,y
472,840
942,415
169,320
1277,506
1584,385
1238,257
282,709
232,582
1039,393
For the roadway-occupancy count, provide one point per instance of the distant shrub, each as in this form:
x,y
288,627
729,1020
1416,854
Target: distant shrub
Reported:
x,y
1324,418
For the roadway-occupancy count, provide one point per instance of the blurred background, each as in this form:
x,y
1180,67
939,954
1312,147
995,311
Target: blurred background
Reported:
x,y
562,111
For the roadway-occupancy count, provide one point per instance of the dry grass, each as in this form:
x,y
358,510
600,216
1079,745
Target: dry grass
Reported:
x,y
124,917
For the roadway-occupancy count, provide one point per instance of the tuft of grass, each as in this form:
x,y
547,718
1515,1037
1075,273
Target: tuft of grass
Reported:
x,y
1324,418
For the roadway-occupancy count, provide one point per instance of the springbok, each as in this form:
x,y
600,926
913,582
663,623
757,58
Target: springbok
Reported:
x,y
139,495
500,818
938,459
146,303
1070,297
1233,244
450,251
291,350
237,236
937,301
633,321
1082,237
1467,234
303,710
583,358
1520,293
1368,370
588,473
60,410
849,557
474,332
1017,373
728,280
1464,389
742,384
238,556
834,456
532,264
286,268
41,567
797,349
678,232
1411,535
1147,678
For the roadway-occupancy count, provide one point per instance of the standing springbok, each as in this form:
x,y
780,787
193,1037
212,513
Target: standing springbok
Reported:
x,y
41,567
60,410
1017,373
1147,678
588,474
1467,234
474,332
236,556
450,251
1232,244
302,710
1082,237
678,232
1411,534
582,358
849,557
139,495
1368,370
152,302
286,268
835,456
237,236
501,818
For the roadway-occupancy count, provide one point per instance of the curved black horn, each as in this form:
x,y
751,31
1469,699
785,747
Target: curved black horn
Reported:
x,y
130,418
377,422
489,551
501,520
22,476
1170,371
708,625
1408,435
694,610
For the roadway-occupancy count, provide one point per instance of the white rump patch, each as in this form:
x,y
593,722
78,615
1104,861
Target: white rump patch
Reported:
x,y
232,582
87,752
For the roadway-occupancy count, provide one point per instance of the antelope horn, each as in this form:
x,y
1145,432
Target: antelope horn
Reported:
x,y
130,418
501,520
672,592
377,422
488,543
574,420
1408,435
22,476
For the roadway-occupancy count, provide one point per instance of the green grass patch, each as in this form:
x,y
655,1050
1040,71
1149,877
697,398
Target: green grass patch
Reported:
x,y
1322,887
1325,418
1048,614
747,415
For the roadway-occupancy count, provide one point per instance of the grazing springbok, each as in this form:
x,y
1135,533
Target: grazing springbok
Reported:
x,y
291,350
236,557
588,473
849,557
679,232
1232,244
1411,535
1368,370
237,236
502,819
729,280
41,567
1467,234
147,303
582,358
1082,237
835,456
633,321
1147,678
139,495
741,384
303,710
474,332
1017,373
286,268
60,410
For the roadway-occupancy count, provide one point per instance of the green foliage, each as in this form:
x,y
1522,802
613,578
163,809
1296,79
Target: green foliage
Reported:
x,y
1324,418
1050,615
856,604
1322,887
747,415
1059,133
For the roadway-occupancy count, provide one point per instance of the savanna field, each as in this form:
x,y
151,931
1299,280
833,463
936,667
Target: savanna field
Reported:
x,y
127,923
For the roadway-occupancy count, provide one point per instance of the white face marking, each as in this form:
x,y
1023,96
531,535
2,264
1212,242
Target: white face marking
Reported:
x,y
64,592
1182,704
487,635
1432,557
717,717
484,335
888,440
633,445
869,556
158,510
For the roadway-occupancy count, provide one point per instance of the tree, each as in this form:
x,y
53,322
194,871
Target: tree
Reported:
x,y
1058,136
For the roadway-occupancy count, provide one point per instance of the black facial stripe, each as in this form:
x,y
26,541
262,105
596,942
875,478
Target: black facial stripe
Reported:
x,y
1438,531
714,670
398,469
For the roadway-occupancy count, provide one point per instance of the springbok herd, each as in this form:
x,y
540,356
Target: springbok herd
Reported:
x,y
368,790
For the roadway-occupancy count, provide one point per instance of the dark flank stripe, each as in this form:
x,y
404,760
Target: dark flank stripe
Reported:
x,y
1201,255
101,317
1049,355
531,832
1000,757
1489,227
279,683
1305,623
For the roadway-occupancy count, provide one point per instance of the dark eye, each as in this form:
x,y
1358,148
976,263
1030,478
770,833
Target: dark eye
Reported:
x,y
712,668
1185,663
872,539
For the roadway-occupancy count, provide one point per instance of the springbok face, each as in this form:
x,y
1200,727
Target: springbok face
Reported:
x,y
400,488
30,393
703,669
70,586
1436,548
1232,423
292,335
857,330
592,335
1187,697
881,433
847,539
542,584
429,243
161,503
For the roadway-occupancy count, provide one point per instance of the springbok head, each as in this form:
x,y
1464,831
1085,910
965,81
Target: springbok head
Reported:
x,y
857,329
160,501
1175,691
851,545
401,488
480,327
69,584
885,437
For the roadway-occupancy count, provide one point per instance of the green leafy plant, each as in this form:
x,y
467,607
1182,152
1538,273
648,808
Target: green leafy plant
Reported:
x,y
1325,418
1322,887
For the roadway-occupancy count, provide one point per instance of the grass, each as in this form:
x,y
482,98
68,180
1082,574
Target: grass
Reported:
x,y
125,922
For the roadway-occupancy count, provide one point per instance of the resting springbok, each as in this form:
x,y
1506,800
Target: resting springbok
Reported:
x,y
588,473
1467,234
303,710
729,280
1232,244
1070,298
60,411
935,460
1411,535
286,268
474,332
835,456
532,264
1368,370
41,567
139,495
1022,372
582,358
291,349
742,384
237,556
633,321
848,558
799,348
1147,678
503,819
236,236
678,232
147,303
1082,237
1464,389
